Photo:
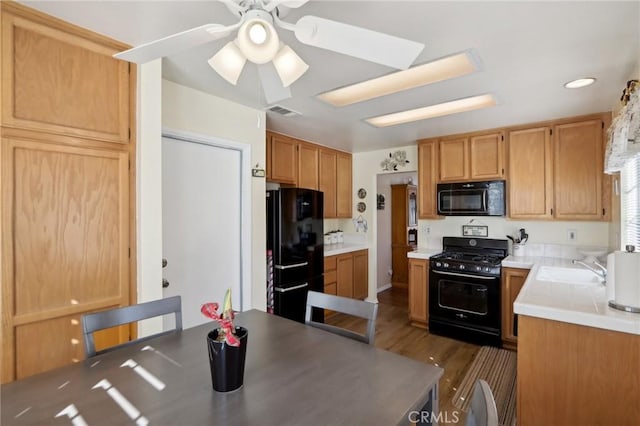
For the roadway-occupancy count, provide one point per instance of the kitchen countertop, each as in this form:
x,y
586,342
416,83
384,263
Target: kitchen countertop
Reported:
x,y
423,253
346,247
572,303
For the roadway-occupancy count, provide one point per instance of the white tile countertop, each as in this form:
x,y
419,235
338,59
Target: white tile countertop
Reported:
x,y
423,253
572,303
341,248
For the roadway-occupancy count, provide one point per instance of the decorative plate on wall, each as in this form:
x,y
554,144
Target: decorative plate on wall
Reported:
x,y
361,207
362,193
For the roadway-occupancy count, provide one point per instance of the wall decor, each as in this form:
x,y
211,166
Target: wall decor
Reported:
x,y
475,230
361,207
380,200
362,193
398,158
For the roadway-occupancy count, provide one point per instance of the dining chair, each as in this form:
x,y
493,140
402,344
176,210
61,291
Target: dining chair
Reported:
x,y
357,308
114,317
483,410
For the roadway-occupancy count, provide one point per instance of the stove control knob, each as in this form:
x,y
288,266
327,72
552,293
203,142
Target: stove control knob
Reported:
x,y
478,268
461,266
438,264
446,265
486,269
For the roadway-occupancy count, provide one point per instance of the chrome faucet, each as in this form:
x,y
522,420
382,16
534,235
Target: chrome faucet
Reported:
x,y
601,272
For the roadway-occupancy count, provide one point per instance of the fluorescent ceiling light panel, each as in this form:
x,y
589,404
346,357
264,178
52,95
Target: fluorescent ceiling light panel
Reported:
x,y
432,111
420,75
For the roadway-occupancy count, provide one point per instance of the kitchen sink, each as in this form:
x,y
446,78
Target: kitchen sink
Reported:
x,y
560,274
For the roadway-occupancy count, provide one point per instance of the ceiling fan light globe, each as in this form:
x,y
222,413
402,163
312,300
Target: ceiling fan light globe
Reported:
x,y
289,65
258,53
257,33
228,62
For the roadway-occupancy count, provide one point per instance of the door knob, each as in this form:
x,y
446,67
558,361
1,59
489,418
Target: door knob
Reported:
x,y
165,283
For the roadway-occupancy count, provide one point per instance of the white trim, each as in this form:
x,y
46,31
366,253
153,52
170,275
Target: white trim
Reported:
x,y
384,287
245,202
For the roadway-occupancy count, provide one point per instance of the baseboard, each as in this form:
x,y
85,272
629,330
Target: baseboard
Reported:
x,y
384,287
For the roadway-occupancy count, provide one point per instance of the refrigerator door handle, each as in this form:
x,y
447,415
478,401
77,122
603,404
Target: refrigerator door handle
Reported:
x,y
296,265
284,290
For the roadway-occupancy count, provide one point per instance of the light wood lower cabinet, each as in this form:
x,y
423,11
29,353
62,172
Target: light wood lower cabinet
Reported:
x,y
512,281
348,274
419,292
571,374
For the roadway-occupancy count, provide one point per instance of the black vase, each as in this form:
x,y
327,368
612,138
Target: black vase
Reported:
x,y
226,361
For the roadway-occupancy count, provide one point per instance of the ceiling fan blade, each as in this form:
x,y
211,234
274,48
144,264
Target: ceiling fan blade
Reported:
x,y
175,43
273,89
292,4
359,42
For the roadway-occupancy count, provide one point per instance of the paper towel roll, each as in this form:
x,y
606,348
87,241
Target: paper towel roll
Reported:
x,y
611,276
627,278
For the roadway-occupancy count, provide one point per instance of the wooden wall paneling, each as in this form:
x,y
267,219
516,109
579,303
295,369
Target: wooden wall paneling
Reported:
x,y
530,183
58,82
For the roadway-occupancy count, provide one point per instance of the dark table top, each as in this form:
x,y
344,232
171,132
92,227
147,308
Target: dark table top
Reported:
x,y
295,374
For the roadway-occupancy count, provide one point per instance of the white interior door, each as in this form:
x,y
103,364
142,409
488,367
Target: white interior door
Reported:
x,y
201,220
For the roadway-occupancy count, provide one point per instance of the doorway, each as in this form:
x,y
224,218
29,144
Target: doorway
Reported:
x,y
205,213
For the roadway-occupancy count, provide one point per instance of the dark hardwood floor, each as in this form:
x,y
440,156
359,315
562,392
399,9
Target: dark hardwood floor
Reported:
x,y
393,333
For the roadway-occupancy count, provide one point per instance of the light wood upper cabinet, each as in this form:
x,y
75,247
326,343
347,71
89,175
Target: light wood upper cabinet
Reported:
x,y
308,163
419,292
327,180
427,178
82,91
486,154
454,160
343,185
556,172
578,169
512,281
530,183
284,159
471,157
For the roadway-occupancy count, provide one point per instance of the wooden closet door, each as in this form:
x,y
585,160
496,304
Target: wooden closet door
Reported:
x,y
65,249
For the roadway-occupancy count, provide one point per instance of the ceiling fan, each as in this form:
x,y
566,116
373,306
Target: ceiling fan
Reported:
x,y
278,65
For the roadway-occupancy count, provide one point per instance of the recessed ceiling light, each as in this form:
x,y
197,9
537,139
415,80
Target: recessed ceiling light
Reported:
x,y
581,82
420,75
432,111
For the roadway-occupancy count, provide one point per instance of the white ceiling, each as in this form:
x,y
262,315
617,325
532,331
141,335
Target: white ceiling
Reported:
x,y
528,51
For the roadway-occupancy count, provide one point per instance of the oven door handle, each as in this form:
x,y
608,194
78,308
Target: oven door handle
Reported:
x,y
455,274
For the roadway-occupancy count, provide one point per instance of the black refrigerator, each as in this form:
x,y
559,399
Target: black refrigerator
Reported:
x,y
295,242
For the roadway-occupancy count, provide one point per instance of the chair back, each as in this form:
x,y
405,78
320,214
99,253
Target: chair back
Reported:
x,y
114,317
358,308
483,410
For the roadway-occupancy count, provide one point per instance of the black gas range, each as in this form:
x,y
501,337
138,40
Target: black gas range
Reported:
x,y
464,289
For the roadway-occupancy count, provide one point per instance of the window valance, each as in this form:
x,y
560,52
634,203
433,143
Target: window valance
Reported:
x,y
624,133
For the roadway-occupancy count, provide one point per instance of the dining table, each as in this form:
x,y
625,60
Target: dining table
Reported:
x,y
294,374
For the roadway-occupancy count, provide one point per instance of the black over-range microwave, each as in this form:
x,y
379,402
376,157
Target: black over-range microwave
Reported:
x,y
471,198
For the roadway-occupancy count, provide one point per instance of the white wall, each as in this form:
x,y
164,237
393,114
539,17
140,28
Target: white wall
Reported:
x,y
384,182
149,190
366,167
193,111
